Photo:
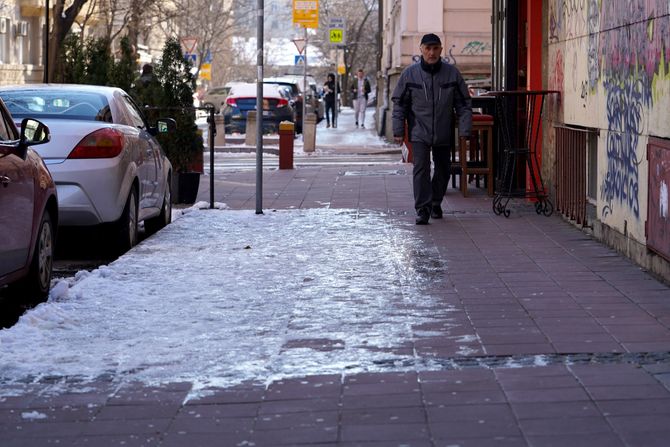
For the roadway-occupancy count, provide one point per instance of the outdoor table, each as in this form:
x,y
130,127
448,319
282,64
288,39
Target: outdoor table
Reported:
x,y
518,146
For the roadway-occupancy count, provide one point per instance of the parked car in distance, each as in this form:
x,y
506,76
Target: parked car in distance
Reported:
x,y
242,99
104,158
28,209
314,103
216,96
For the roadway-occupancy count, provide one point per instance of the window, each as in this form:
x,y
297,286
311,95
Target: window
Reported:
x,y
56,103
134,115
6,129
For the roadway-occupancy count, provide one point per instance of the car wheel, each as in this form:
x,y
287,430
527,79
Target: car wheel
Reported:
x,y
127,225
165,217
36,285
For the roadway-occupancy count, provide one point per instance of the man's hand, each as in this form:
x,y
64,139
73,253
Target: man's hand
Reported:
x,y
398,140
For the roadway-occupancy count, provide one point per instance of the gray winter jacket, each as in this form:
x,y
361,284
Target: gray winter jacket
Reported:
x,y
426,96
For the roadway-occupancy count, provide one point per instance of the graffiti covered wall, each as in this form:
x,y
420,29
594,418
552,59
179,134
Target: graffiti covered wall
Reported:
x,y
610,60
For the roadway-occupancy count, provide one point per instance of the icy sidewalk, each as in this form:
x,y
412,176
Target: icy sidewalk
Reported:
x,y
346,327
223,297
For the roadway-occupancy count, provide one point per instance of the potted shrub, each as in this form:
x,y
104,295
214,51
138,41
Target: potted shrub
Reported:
x,y
168,91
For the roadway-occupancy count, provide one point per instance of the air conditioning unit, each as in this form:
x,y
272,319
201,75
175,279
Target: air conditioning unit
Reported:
x,y
3,25
22,28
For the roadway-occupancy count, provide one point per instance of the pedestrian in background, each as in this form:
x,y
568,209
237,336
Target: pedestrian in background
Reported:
x,y
360,90
146,89
330,98
426,96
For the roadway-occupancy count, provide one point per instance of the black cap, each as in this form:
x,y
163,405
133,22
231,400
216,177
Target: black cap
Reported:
x,y
430,39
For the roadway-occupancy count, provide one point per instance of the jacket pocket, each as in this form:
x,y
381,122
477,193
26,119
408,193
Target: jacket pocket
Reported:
x,y
419,97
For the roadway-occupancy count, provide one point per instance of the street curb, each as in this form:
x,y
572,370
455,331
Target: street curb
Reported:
x,y
275,150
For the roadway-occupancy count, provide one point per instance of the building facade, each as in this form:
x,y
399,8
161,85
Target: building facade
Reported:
x,y
463,25
610,61
22,36
21,43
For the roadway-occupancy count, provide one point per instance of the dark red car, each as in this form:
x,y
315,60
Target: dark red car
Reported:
x,y
28,209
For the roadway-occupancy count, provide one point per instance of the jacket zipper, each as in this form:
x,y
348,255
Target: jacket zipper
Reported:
x,y
432,80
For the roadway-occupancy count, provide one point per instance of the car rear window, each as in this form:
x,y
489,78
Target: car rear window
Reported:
x,y
219,91
65,104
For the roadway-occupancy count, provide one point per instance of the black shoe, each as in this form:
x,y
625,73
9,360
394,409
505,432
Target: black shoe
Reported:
x,y
356,124
422,216
362,126
436,212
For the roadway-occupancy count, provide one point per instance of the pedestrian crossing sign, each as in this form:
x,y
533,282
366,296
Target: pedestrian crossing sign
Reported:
x,y
299,59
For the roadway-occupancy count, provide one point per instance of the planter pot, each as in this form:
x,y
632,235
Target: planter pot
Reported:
x,y
186,188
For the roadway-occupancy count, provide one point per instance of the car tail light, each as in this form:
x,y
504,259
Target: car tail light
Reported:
x,y
282,102
231,102
103,143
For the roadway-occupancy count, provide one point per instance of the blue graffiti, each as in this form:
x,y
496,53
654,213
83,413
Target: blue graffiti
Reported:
x,y
626,99
634,39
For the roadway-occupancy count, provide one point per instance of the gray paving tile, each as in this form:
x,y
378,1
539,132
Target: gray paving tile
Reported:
x,y
580,440
384,432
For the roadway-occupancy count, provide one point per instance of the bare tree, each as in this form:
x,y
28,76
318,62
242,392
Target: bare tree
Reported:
x,y
361,36
63,19
214,23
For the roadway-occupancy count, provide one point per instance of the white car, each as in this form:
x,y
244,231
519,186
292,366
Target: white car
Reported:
x,y
103,155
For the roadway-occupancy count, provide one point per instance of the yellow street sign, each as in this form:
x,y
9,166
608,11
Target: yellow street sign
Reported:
x,y
306,13
336,35
336,30
341,70
206,71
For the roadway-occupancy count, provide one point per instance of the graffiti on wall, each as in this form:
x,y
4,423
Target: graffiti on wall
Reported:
x,y
554,21
628,50
631,55
593,59
625,109
476,47
556,76
574,13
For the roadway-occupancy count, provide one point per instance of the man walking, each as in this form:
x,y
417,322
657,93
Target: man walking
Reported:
x,y
360,90
426,96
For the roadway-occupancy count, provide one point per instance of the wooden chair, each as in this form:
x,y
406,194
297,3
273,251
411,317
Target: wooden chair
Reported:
x,y
475,154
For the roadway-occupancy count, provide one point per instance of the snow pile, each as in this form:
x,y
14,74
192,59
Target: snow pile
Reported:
x,y
222,297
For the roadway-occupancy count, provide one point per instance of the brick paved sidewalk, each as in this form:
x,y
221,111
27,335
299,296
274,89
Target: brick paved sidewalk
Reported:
x,y
544,338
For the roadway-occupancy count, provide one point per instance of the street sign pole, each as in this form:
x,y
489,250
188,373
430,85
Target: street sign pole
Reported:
x,y
46,44
337,82
259,108
304,87
337,36
305,14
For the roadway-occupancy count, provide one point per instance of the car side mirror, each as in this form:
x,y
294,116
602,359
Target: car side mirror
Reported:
x,y
164,126
34,132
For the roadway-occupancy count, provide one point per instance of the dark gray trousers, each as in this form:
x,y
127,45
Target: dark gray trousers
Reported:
x,y
429,191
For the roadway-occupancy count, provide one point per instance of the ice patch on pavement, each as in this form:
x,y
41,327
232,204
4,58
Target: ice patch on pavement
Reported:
x,y
33,415
223,297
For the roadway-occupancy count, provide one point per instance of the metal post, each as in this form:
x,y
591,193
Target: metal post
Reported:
x,y
259,108
212,133
46,45
304,87
337,82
